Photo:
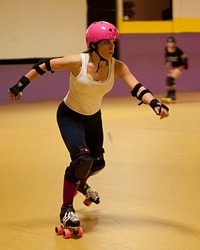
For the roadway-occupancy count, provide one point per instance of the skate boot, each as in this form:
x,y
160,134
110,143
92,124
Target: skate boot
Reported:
x,y
168,100
170,97
90,194
68,217
70,223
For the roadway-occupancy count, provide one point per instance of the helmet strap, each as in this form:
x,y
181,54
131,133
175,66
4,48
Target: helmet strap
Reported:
x,y
101,59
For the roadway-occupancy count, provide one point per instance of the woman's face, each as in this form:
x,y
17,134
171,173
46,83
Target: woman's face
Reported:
x,y
106,48
171,45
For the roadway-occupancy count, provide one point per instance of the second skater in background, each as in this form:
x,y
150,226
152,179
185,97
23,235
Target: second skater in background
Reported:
x,y
176,61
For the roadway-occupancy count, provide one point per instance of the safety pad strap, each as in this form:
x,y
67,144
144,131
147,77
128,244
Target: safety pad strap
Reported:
x,y
135,89
143,92
48,65
97,166
38,69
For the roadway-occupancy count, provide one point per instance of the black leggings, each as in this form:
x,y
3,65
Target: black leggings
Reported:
x,y
80,131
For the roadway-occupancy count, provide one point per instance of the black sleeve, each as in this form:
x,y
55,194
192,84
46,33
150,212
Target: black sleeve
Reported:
x,y
166,55
179,51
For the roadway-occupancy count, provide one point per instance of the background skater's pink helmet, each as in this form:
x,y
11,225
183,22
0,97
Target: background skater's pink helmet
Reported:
x,y
101,31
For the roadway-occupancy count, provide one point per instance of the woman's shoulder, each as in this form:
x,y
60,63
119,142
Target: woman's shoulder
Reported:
x,y
119,64
120,67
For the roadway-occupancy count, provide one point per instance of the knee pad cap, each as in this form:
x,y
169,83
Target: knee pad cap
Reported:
x,y
97,166
79,167
82,166
170,81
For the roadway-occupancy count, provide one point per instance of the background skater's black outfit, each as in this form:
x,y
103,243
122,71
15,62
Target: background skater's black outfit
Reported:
x,y
176,62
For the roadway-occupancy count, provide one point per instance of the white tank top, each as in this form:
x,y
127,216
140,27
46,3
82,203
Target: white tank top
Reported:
x,y
85,95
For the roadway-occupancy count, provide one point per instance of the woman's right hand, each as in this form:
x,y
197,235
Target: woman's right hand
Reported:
x,y
13,96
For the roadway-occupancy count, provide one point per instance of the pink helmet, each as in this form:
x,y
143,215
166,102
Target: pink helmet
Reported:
x,y
101,31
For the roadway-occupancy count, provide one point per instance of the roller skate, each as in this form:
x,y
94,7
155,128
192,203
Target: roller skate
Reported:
x,y
70,226
168,100
90,194
170,96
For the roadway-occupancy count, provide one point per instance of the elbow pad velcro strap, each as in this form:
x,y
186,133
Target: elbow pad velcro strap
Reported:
x,y
17,88
155,103
143,92
135,89
48,65
37,68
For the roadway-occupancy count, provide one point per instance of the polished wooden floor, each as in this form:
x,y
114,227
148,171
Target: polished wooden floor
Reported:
x,y
150,189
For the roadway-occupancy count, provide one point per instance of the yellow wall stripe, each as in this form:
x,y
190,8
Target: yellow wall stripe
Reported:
x,y
176,25
187,24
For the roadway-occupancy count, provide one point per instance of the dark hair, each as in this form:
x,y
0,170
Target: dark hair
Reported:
x,y
171,39
89,50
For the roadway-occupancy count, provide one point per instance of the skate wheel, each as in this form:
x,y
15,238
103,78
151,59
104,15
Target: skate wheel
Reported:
x,y
59,230
66,233
87,202
80,232
166,100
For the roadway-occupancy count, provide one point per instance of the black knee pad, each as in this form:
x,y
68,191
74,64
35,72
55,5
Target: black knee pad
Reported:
x,y
80,166
170,81
98,165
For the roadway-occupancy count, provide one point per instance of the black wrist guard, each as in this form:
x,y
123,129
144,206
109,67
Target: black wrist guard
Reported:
x,y
23,82
185,62
155,103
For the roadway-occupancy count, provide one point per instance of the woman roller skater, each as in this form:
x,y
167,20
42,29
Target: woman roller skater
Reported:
x,y
92,75
176,61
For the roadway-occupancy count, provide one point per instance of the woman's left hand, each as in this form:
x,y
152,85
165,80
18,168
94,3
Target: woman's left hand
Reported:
x,y
162,111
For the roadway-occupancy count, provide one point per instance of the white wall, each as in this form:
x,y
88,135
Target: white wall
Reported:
x,y
42,28
181,8
149,9
186,8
